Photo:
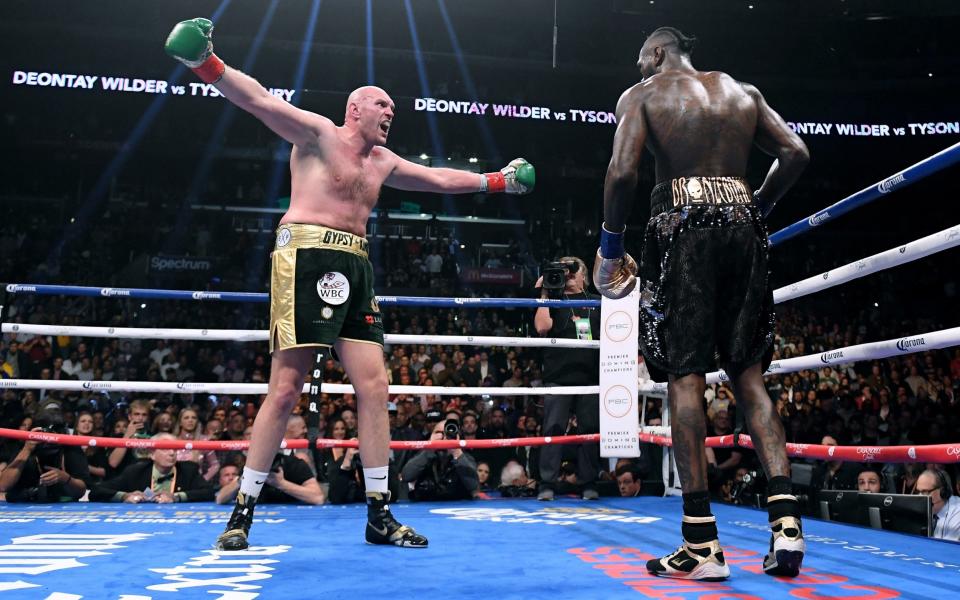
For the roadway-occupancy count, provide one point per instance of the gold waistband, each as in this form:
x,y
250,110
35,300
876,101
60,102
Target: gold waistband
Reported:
x,y
293,236
702,190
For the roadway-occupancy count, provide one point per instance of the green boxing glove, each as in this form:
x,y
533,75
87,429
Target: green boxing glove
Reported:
x,y
518,177
190,43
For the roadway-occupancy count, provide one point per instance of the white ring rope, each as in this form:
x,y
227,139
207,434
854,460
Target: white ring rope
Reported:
x,y
933,340
937,242
257,335
921,342
250,389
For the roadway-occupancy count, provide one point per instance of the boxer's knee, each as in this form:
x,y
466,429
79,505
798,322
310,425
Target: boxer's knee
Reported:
x,y
284,396
373,387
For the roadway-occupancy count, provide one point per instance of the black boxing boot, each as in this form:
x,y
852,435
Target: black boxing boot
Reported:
x,y
383,529
238,527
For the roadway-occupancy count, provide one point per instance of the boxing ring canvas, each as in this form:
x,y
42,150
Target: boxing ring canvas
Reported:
x,y
498,548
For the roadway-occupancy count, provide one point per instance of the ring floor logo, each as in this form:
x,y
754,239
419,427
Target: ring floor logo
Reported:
x,y
217,570
30,556
550,516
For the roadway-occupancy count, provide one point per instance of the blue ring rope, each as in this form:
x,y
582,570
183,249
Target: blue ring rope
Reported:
x,y
155,294
928,166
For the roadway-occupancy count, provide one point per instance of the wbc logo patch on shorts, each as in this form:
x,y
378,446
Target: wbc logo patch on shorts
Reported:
x,y
333,288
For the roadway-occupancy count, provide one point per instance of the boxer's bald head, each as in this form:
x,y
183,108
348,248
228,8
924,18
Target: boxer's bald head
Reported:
x,y
370,112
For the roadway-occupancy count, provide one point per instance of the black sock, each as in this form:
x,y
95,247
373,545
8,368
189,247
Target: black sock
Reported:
x,y
779,485
697,504
785,507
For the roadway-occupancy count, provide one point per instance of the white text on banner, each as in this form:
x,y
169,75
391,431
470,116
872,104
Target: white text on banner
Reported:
x,y
619,411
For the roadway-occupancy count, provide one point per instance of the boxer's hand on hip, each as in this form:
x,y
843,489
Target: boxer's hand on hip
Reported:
x,y
190,43
518,177
765,207
615,277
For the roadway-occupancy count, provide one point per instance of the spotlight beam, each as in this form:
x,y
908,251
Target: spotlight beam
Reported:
x,y
215,143
98,192
449,206
281,153
370,74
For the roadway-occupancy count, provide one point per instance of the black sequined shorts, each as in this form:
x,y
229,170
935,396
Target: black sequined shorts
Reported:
x,y
712,304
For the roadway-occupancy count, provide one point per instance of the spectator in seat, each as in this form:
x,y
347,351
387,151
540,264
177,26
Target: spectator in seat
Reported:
x,y
629,480
868,480
291,481
162,479
946,507
188,428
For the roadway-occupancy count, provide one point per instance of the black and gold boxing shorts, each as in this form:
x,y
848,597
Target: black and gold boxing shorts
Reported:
x,y
321,289
705,257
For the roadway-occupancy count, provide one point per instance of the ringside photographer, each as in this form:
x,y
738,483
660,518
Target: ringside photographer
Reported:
x,y
442,474
567,279
42,472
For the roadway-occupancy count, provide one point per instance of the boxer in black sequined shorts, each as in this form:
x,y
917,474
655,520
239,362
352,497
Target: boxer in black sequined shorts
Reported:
x,y
705,295
705,260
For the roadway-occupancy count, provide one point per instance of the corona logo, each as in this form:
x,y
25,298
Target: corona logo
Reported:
x,y
905,344
887,185
207,295
818,218
827,357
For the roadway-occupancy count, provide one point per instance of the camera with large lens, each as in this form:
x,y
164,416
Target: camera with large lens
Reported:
x,y
555,277
451,430
749,491
50,455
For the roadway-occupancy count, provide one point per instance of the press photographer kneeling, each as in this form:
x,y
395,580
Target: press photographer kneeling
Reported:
x,y
442,474
46,472
567,279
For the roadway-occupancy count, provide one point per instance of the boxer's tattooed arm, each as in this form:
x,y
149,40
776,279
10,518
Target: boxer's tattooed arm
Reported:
x,y
621,179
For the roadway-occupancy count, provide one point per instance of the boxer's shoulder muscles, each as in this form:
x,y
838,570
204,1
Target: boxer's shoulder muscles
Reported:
x,y
773,135
632,98
631,131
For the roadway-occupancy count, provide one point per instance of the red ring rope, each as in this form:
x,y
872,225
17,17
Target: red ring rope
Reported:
x,y
939,453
